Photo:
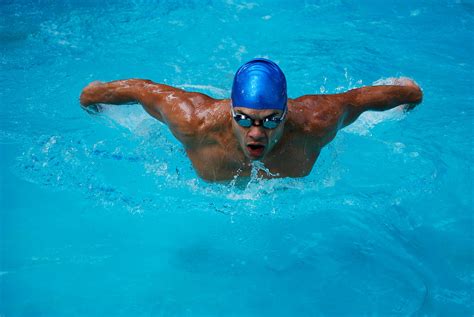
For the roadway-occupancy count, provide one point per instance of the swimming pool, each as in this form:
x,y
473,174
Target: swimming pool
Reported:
x,y
104,216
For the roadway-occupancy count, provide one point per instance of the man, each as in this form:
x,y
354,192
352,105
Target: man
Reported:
x,y
223,136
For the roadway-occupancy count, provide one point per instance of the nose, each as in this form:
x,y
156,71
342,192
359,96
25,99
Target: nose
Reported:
x,y
256,133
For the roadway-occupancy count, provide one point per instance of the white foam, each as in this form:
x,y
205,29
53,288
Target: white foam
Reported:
x,y
243,5
218,92
51,142
368,120
396,81
131,117
241,50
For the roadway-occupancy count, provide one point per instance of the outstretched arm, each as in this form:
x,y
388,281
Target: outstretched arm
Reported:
x,y
157,99
175,107
380,98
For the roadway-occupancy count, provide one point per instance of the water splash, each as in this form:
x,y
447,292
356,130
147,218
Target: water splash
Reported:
x,y
369,119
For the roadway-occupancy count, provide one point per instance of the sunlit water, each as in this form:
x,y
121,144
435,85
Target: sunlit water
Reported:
x,y
104,216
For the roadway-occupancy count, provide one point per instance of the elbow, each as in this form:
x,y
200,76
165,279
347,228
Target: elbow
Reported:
x,y
83,99
416,95
89,93
420,95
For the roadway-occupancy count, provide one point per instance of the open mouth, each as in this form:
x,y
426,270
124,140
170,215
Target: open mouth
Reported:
x,y
255,150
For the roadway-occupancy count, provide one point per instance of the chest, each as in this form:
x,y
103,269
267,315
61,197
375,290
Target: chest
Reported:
x,y
291,159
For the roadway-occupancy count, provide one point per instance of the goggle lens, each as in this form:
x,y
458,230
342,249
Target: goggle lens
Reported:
x,y
267,123
271,124
244,122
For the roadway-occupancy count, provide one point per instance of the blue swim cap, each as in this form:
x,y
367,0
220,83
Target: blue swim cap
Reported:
x,y
259,84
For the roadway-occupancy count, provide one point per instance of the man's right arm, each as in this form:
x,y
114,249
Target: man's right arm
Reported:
x,y
151,95
173,106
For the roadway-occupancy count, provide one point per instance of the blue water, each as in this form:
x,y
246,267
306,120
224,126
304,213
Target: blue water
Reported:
x,y
104,215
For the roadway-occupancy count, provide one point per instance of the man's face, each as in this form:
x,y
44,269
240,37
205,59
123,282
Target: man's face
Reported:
x,y
256,141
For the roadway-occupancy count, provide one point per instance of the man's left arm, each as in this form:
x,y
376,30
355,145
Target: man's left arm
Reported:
x,y
380,98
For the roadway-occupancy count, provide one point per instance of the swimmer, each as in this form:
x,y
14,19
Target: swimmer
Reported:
x,y
222,137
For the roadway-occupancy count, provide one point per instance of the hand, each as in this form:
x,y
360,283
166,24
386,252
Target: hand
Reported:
x,y
407,82
88,93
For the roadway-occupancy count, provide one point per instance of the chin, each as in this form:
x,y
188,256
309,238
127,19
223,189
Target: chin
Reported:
x,y
253,158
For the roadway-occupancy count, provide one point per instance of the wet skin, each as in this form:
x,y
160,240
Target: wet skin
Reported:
x,y
219,148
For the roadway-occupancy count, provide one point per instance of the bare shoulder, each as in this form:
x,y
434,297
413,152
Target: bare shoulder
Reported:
x,y
317,114
188,115
211,114
199,120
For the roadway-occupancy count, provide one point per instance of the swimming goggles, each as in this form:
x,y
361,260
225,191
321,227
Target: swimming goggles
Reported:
x,y
270,122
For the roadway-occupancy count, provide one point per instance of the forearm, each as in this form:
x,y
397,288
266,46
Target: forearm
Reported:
x,y
380,98
115,92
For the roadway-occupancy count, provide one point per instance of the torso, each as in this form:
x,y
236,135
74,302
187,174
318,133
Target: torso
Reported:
x,y
223,160
308,128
